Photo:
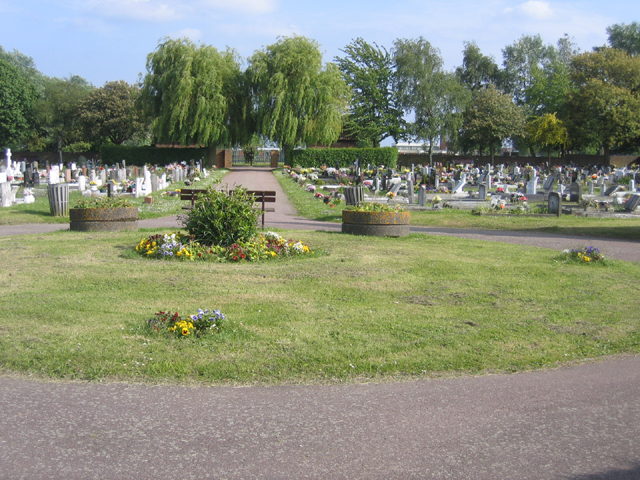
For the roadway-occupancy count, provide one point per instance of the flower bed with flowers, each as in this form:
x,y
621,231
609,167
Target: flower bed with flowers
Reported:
x,y
201,323
584,255
180,246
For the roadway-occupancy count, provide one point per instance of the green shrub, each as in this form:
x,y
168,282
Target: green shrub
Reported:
x,y
223,218
344,157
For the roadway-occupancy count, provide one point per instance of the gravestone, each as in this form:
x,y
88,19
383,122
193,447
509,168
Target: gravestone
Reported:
x,y
611,190
138,192
482,177
377,184
575,192
82,183
532,185
547,186
384,181
154,183
632,203
632,186
590,188
459,188
422,192
436,182
5,192
410,192
555,203
103,177
395,187
482,192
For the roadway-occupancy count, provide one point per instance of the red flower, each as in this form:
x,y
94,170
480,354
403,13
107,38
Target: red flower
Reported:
x,y
235,258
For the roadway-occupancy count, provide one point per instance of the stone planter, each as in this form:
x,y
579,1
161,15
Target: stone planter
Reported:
x,y
376,224
103,219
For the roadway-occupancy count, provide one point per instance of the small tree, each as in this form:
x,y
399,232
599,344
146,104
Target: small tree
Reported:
x,y
548,131
492,118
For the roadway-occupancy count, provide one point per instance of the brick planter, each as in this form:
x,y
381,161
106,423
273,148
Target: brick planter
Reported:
x,y
103,219
376,224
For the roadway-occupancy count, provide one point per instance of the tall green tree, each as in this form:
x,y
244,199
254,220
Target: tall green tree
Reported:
x,y
373,114
17,95
109,114
603,111
297,100
434,98
521,60
491,119
625,37
189,92
57,113
477,70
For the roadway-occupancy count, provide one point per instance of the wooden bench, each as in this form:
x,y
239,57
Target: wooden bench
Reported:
x,y
259,196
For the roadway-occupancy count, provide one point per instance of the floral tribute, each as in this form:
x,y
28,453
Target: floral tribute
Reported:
x,y
180,246
198,324
584,255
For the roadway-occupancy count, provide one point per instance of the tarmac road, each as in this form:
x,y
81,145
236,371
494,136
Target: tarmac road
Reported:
x,y
576,423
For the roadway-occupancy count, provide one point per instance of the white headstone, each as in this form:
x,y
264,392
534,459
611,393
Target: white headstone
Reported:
x,y
138,192
82,183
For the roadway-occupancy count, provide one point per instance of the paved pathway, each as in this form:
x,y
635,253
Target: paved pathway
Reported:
x,y
578,423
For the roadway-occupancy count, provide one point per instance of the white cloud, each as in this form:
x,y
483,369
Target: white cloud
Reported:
x,y
192,34
148,10
242,6
537,10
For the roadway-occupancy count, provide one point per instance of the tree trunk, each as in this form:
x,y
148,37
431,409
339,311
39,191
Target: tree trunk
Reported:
x,y
492,151
607,155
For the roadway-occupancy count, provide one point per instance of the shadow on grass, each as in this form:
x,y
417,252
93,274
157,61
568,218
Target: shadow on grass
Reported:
x,y
632,232
632,473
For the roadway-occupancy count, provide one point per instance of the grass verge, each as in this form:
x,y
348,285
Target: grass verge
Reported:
x,y
376,309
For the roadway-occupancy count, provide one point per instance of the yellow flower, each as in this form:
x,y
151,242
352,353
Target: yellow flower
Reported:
x,y
185,331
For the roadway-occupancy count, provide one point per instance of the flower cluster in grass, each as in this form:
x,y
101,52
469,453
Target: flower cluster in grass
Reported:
x,y
584,255
180,246
198,324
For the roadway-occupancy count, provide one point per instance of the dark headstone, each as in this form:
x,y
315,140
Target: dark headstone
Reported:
x,y
575,192
632,203
611,190
555,203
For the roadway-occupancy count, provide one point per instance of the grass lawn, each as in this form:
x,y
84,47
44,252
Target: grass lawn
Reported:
x,y
310,207
39,212
74,306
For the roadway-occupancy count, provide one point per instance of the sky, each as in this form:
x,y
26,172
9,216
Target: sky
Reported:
x,y
109,40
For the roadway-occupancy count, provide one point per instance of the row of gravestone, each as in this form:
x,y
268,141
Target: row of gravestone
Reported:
x,y
555,203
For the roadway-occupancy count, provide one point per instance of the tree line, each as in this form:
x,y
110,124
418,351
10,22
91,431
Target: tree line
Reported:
x,y
543,98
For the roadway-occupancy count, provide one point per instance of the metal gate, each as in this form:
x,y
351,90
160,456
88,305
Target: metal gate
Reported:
x,y
261,159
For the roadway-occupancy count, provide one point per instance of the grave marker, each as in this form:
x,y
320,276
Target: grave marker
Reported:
x,y
555,203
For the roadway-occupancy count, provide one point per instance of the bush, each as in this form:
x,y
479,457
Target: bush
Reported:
x,y
344,157
223,218
140,156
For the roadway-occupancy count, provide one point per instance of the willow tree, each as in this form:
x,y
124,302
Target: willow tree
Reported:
x,y
190,92
296,99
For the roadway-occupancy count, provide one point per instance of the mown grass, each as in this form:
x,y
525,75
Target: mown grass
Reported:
x,y
39,212
626,228
74,306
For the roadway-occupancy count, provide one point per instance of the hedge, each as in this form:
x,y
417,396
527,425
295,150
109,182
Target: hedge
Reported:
x,y
112,154
343,157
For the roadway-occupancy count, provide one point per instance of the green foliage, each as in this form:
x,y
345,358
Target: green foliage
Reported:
x,y
103,202
188,91
375,207
57,111
17,95
297,100
548,131
434,97
491,118
477,70
373,111
140,156
344,157
223,218
602,111
625,37
109,113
